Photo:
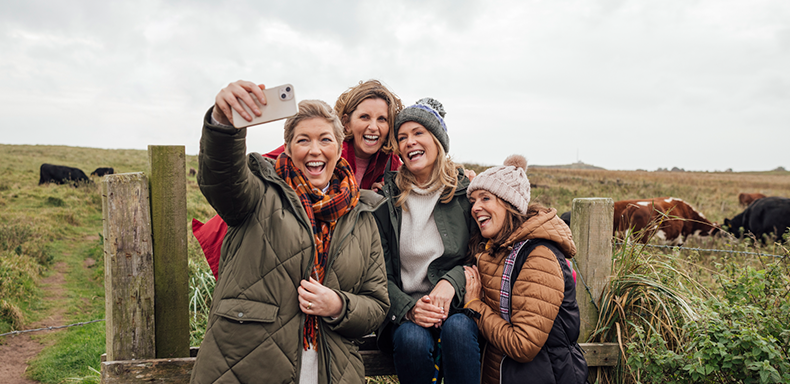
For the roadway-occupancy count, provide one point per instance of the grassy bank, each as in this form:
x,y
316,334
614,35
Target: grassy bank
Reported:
x,y
43,225
48,224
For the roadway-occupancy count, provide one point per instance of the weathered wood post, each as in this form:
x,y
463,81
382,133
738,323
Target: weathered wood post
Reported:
x,y
171,271
128,267
591,224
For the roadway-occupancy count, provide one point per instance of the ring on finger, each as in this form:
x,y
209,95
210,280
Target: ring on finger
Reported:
x,y
309,305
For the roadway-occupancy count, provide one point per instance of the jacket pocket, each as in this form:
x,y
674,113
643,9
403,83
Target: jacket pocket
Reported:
x,y
246,310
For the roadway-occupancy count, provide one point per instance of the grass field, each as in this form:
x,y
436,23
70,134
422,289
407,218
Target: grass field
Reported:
x,y
43,225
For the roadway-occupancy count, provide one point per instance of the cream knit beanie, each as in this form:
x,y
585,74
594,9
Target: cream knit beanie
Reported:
x,y
508,182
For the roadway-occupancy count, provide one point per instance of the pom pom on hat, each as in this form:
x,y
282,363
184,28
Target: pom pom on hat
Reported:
x,y
517,161
433,103
508,182
429,112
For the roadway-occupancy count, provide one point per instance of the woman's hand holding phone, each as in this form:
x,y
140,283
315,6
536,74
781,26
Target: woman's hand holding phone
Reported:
x,y
227,101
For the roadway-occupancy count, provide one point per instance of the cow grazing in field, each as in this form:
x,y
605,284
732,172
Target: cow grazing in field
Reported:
x,y
192,172
101,171
61,174
747,198
566,217
769,215
669,219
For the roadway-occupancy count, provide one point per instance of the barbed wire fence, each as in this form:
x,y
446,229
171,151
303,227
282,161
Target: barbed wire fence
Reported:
x,y
673,247
14,333
619,244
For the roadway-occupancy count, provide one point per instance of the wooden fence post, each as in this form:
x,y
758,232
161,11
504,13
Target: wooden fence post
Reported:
x,y
128,267
591,224
171,270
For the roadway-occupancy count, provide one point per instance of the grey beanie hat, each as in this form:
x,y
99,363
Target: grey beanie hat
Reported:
x,y
429,112
508,182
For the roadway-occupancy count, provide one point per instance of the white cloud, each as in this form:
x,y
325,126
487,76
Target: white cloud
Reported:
x,y
625,84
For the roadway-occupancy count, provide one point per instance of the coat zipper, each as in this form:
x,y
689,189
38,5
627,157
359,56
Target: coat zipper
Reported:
x,y
330,262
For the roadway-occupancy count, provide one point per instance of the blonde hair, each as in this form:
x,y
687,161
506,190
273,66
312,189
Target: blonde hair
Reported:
x,y
349,100
310,109
444,175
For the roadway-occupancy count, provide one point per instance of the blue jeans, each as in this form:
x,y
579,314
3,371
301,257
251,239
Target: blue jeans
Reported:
x,y
414,348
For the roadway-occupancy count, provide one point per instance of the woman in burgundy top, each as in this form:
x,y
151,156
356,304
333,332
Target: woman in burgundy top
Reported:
x,y
367,112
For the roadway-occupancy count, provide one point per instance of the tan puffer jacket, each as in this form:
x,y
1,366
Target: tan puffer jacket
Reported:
x,y
536,298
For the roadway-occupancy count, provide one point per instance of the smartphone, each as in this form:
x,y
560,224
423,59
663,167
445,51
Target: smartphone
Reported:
x,y
280,104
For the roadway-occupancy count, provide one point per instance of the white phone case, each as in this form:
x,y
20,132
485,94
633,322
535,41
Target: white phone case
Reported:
x,y
280,104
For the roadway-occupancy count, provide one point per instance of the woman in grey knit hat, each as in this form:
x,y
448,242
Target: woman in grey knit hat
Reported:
x,y
522,287
424,228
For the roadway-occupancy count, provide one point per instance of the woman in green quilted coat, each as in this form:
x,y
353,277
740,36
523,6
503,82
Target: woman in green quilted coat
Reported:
x,y
301,272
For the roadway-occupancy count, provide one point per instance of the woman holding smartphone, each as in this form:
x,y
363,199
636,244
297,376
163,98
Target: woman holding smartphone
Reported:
x,y
522,287
424,227
302,272
367,113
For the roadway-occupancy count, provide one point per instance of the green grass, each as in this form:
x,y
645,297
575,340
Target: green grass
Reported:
x,y
76,350
42,225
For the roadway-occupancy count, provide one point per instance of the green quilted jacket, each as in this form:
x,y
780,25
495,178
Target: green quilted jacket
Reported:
x,y
254,332
455,224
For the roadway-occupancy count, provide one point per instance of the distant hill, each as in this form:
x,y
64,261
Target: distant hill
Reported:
x,y
576,165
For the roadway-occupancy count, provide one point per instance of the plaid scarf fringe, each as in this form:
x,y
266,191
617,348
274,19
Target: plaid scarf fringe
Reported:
x,y
323,211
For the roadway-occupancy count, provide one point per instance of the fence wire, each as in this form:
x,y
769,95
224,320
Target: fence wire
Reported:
x,y
49,328
671,247
578,273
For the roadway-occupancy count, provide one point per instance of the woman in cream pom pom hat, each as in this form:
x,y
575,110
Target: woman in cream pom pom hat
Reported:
x,y
522,287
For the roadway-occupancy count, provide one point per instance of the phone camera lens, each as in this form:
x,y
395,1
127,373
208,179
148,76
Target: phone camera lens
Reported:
x,y
287,89
283,96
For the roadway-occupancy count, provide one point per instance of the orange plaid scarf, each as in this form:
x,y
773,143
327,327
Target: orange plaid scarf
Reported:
x,y
323,210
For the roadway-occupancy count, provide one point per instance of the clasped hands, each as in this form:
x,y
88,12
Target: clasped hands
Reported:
x,y
432,309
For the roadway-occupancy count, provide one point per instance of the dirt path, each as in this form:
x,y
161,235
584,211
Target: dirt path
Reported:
x,y
17,350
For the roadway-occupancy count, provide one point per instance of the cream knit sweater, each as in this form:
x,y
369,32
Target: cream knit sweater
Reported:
x,y
420,242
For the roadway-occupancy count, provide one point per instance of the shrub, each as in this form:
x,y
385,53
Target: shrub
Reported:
x,y
740,337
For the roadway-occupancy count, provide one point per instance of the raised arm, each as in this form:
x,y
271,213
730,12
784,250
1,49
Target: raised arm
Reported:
x,y
224,177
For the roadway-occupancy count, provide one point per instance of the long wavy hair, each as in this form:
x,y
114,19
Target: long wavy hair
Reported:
x,y
444,176
349,100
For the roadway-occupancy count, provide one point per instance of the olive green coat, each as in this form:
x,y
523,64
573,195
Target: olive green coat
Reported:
x,y
255,326
455,224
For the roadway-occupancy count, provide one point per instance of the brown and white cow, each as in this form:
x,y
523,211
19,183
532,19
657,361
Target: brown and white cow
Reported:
x,y
747,198
669,219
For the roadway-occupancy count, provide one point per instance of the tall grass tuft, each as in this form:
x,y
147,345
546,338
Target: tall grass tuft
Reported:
x,y
12,314
648,295
18,277
201,289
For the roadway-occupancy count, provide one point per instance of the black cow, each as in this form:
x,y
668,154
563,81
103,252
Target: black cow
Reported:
x,y
769,215
61,174
101,171
566,217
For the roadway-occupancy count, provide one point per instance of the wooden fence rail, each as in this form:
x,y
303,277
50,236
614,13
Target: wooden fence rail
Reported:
x,y
146,282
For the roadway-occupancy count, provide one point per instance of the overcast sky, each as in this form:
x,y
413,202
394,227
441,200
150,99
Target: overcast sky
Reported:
x,y
700,85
